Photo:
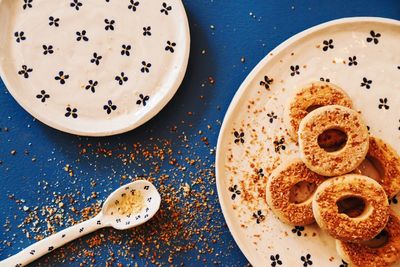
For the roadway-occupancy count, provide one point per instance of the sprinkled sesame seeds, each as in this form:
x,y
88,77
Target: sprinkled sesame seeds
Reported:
x,y
184,179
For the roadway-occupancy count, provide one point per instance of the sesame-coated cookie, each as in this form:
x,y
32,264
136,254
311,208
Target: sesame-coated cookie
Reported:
x,y
368,254
342,225
346,158
386,162
278,193
309,97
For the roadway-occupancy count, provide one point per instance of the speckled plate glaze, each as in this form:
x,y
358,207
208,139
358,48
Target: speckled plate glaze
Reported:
x,y
362,55
92,67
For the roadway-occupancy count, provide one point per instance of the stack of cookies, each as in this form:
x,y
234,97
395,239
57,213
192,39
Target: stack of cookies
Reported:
x,y
342,179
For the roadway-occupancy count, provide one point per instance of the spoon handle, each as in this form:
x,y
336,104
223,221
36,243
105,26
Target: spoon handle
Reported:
x,y
52,242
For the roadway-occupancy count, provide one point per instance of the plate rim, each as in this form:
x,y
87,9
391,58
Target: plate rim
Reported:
x,y
151,113
220,157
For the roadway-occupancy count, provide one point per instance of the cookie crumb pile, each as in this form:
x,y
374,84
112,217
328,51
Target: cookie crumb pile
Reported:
x,y
131,203
342,178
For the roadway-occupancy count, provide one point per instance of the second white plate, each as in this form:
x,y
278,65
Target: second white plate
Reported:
x,y
93,67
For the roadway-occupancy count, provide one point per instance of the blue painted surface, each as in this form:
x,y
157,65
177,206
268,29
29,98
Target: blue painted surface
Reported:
x,y
241,28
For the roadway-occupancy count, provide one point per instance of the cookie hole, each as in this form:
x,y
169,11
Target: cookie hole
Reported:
x,y
332,140
352,206
301,192
378,241
313,107
371,167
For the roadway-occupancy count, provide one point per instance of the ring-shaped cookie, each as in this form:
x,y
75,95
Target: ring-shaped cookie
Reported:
x,y
361,254
346,158
364,226
279,196
385,163
309,97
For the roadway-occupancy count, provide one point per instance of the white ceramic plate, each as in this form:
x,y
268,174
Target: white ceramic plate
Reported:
x,y
92,67
362,55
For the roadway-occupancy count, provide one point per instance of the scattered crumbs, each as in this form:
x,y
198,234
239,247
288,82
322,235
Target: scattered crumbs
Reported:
x,y
184,179
69,170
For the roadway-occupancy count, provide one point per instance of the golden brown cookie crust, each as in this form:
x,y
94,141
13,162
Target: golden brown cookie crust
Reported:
x,y
278,192
312,95
361,255
339,225
345,159
387,161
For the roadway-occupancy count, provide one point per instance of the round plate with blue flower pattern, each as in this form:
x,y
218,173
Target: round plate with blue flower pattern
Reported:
x,y
92,67
362,56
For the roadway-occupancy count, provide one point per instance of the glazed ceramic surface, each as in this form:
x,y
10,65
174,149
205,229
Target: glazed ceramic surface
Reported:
x,y
361,55
93,67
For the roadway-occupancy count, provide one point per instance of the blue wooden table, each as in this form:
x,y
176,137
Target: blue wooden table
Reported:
x,y
41,167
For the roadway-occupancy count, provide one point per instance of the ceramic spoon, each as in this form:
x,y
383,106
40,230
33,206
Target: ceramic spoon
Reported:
x,y
109,216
